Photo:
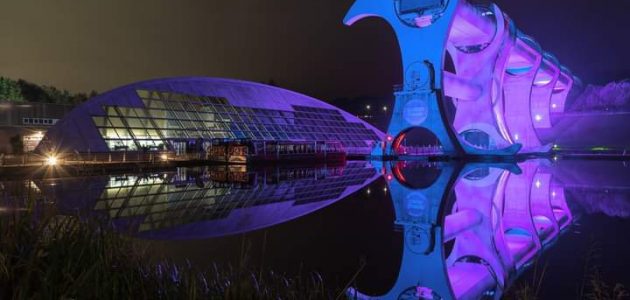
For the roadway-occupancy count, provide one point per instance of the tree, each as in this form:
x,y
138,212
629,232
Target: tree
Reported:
x,y
79,98
10,90
32,92
22,90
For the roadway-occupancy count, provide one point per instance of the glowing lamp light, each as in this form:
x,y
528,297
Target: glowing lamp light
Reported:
x,y
385,189
390,138
554,105
164,157
516,137
368,191
424,21
51,160
538,184
389,177
384,108
368,107
538,118
553,194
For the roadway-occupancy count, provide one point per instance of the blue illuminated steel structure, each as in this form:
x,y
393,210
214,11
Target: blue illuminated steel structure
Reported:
x,y
470,230
471,59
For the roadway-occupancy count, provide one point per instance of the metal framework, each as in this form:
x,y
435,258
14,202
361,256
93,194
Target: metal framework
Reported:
x,y
500,81
187,114
472,229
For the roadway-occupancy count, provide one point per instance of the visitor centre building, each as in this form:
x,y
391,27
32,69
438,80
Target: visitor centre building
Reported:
x,y
184,115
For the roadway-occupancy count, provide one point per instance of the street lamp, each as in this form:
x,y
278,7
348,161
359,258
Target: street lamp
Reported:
x,y
51,160
384,108
368,107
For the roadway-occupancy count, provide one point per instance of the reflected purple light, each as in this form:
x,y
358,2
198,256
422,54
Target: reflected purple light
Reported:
x,y
499,220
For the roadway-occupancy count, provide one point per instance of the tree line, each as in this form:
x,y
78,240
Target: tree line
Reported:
x,y
23,91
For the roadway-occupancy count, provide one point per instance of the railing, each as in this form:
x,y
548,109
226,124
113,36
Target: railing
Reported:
x,y
359,150
420,150
32,159
20,159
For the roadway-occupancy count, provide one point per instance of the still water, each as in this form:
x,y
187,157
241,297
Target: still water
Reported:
x,y
392,230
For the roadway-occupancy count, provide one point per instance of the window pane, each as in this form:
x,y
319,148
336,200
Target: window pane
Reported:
x,y
100,121
116,122
123,133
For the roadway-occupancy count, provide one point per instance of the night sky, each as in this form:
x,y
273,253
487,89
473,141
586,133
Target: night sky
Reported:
x,y
301,45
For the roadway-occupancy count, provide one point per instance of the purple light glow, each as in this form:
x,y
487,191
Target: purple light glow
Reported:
x,y
501,81
501,219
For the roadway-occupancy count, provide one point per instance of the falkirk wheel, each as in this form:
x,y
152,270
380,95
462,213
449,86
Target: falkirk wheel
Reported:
x,y
470,77
470,230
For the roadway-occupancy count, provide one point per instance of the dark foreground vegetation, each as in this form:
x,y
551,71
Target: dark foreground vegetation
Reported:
x,y
63,257
593,286
68,258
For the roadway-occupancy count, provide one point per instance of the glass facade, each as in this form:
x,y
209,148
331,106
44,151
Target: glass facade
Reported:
x,y
170,121
172,199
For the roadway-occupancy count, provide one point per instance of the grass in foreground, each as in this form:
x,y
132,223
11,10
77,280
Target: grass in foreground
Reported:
x,y
62,257
67,258
593,286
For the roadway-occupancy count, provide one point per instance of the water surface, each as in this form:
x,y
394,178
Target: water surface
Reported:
x,y
405,229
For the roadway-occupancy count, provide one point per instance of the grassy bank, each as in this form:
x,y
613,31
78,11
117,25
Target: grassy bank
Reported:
x,y
46,256
594,285
67,258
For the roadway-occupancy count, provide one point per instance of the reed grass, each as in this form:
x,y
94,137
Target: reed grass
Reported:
x,y
47,256
62,257
593,286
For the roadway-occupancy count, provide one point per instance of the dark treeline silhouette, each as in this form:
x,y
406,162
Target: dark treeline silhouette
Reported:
x,y
612,97
24,91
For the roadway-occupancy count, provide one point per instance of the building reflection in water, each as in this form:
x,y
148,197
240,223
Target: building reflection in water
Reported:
x,y
209,201
470,230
